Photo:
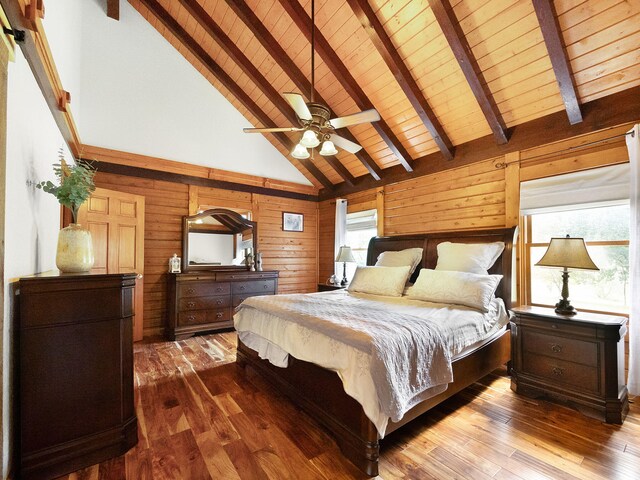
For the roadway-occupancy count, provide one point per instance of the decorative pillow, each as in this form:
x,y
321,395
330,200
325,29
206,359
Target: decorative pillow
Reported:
x,y
410,257
380,280
468,257
458,288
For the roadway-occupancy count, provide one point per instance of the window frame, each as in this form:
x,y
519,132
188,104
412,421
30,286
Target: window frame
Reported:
x,y
527,244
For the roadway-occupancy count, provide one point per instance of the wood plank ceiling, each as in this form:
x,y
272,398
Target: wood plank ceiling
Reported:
x,y
440,72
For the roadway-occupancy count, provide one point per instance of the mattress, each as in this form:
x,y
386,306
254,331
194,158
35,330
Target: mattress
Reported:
x,y
275,338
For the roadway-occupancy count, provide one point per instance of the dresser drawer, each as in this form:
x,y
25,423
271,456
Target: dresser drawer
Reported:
x,y
202,303
262,286
202,289
198,317
561,372
239,298
570,349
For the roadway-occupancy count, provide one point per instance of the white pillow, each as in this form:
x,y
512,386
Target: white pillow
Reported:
x,y
380,280
458,288
468,257
409,257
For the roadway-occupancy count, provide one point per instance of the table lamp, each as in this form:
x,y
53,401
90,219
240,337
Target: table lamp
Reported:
x,y
567,253
345,255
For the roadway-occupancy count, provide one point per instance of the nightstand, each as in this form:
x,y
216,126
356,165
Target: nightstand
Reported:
x,y
577,360
325,287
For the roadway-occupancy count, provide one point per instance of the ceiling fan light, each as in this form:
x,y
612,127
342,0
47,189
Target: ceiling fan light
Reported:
x,y
309,139
328,148
300,152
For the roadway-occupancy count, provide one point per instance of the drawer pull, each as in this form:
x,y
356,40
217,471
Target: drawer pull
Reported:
x,y
219,315
190,290
218,289
241,287
191,304
191,318
556,348
553,325
557,371
219,302
265,286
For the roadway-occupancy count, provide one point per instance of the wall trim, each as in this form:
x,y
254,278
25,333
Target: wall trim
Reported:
x,y
107,167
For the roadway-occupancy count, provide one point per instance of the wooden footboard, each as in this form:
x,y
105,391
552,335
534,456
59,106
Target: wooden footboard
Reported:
x,y
319,392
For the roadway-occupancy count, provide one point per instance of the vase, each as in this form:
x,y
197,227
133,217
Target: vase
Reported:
x,y
75,249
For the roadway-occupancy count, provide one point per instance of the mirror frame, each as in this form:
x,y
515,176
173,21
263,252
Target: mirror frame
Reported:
x,y
239,221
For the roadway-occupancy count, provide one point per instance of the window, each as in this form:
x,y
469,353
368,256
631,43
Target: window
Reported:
x,y
606,233
361,226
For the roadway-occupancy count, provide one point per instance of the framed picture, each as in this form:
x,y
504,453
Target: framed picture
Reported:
x,y
292,222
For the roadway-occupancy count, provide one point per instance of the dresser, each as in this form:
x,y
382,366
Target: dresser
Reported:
x,y
75,371
577,360
204,301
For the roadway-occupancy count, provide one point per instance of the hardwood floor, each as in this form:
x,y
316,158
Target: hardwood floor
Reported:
x,y
202,417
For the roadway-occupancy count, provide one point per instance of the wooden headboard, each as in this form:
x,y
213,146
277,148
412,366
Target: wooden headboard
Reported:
x,y
429,243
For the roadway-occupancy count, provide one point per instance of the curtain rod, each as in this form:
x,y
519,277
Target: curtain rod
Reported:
x,y
577,147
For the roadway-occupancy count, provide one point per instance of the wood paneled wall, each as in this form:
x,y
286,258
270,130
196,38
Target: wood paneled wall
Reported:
x,y
294,254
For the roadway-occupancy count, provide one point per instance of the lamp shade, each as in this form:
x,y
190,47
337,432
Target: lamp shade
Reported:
x,y
345,255
328,148
309,139
567,253
300,152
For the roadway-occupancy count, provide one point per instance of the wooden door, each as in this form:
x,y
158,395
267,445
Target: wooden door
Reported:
x,y
116,222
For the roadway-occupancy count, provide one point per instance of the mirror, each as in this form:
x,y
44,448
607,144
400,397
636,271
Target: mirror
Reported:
x,y
217,239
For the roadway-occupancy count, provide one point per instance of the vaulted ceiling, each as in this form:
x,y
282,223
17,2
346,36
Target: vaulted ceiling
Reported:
x,y
440,72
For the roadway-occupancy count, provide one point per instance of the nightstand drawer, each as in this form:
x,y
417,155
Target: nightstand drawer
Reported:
x,y
576,351
561,372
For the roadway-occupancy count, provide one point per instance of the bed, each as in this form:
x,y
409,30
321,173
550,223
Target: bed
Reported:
x,y
320,392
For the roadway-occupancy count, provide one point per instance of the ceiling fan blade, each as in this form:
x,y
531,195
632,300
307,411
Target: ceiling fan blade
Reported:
x,y
274,129
298,104
345,144
365,116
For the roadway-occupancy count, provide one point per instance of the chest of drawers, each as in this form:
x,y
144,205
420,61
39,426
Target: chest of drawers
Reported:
x,y
575,360
204,301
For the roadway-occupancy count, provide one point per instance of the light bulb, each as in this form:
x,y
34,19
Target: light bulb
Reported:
x,y
309,139
300,152
328,148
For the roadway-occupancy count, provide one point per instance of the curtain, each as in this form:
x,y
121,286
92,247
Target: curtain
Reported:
x,y
341,232
633,144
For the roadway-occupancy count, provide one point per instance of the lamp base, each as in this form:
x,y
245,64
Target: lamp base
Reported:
x,y
563,307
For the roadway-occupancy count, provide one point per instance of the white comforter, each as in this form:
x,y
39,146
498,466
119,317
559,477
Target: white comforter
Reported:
x,y
270,326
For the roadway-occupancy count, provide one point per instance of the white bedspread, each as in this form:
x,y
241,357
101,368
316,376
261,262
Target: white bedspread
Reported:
x,y
273,330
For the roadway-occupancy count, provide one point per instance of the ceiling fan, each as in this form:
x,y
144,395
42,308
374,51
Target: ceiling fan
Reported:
x,y
314,118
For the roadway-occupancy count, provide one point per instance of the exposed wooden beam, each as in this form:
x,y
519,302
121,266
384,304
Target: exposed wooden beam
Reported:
x,y
403,76
194,47
559,60
246,65
605,112
448,22
328,55
35,49
113,9
268,41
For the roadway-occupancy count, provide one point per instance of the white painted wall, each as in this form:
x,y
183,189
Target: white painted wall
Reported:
x,y
32,218
138,94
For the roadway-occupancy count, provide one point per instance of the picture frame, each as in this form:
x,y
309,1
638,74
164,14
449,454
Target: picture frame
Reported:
x,y
292,222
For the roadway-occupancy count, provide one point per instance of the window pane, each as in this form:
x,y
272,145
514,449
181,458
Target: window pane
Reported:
x,y
593,224
358,240
606,289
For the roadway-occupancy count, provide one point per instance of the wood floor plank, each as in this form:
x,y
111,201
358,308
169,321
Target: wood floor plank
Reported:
x,y
202,416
